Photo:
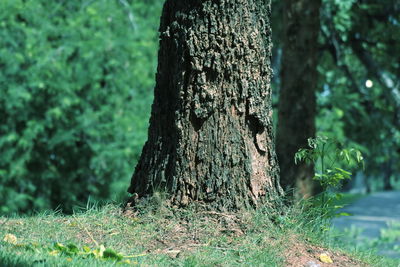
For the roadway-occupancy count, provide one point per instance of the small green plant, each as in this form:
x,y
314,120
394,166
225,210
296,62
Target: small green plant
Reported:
x,y
391,234
331,160
72,250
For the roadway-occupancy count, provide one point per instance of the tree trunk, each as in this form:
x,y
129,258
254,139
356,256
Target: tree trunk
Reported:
x,y
210,138
387,173
297,100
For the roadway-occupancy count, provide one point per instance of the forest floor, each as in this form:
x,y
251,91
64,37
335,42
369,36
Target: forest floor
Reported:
x,y
375,222
160,236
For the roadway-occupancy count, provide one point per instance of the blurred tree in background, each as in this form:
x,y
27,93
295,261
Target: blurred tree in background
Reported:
x,y
76,85
297,95
358,99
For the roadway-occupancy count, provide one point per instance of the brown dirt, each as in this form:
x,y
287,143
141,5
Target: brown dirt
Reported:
x,y
184,236
301,254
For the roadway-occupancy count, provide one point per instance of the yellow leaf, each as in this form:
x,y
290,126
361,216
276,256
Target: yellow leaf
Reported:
x,y
54,252
86,249
69,259
102,249
325,258
98,253
10,238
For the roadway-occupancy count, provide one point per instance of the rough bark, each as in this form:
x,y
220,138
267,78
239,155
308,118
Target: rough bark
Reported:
x,y
297,100
210,138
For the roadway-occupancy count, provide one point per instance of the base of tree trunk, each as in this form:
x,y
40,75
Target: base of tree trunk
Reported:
x,y
211,135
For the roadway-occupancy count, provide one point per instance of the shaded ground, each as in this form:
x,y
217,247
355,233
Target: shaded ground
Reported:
x,y
373,214
165,237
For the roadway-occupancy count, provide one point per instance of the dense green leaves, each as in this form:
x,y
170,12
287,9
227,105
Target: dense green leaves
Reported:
x,y
358,67
76,86
329,156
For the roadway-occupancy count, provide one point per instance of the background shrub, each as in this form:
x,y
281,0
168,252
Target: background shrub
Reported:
x,y
76,85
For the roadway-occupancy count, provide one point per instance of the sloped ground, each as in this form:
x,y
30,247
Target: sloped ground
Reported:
x,y
163,237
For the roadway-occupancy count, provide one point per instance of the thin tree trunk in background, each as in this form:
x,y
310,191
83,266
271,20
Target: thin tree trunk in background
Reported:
x,y
387,173
210,138
297,100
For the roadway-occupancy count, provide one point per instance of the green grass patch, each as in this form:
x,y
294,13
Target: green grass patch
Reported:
x,y
165,237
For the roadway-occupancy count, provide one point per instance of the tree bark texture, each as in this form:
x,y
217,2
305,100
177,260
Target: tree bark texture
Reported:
x,y
297,100
210,138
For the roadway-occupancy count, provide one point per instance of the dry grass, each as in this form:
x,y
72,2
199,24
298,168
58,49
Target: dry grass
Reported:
x,y
166,237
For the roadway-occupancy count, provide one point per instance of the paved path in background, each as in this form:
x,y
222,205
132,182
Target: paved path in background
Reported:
x,y
372,213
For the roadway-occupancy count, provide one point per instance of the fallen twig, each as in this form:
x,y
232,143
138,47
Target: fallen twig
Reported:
x,y
86,230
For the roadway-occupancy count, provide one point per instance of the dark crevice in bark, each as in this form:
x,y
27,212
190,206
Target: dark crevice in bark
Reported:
x,y
257,129
197,123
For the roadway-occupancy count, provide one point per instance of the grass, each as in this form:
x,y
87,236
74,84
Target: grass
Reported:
x,y
160,236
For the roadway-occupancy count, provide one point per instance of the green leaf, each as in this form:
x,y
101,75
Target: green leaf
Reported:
x,y
111,254
60,247
342,214
72,249
86,249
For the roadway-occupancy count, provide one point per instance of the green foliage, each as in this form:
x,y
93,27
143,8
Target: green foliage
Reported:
x,y
391,234
329,156
340,12
99,253
75,99
72,250
365,117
